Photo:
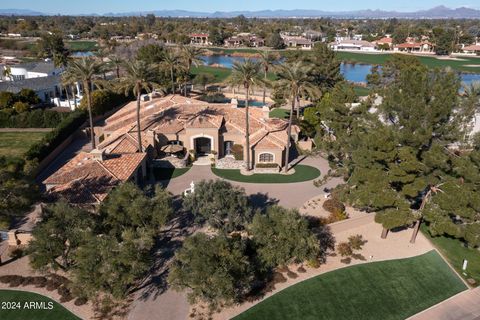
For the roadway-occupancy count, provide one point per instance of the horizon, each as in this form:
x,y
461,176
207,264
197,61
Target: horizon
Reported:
x,y
105,7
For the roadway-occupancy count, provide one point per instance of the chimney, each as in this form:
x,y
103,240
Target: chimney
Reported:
x,y
234,103
266,112
98,154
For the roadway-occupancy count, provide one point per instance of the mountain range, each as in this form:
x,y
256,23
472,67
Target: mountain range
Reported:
x,y
439,12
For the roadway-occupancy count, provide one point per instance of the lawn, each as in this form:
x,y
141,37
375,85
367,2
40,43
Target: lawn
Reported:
x,y
455,251
10,298
431,62
82,45
279,113
385,290
162,174
361,91
221,74
15,144
302,173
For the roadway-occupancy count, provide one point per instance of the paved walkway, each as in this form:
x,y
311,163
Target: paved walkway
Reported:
x,y
290,195
463,306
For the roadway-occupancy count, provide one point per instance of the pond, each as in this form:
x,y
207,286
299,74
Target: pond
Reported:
x,y
352,72
82,54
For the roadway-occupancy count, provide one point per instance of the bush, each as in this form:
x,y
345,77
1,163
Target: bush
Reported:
x,y
65,294
16,253
54,138
80,301
278,278
10,118
333,206
237,151
104,101
291,274
7,99
40,282
216,97
344,249
21,107
266,165
15,281
27,281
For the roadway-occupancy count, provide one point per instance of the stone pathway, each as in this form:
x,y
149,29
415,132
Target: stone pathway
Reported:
x,y
463,306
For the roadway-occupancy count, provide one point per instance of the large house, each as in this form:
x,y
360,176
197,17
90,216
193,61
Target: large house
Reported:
x,y
245,39
41,77
200,38
472,49
297,42
412,46
353,45
191,126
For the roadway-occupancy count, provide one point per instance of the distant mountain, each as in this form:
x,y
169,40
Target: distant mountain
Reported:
x,y
439,12
19,12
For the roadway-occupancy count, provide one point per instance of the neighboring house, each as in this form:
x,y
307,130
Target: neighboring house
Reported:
x,y
205,128
42,77
297,42
199,38
245,39
472,49
384,43
424,46
88,178
314,35
352,45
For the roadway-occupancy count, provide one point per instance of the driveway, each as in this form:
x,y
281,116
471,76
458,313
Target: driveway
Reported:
x,y
290,195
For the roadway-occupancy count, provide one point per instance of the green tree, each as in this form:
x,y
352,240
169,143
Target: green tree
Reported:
x,y
294,80
190,56
85,70
267,60
275,41
58,236
204,79
51,46
171,61
219,203
151,53
7,99
28,96
139,77
282,236
324,67
247,75
215,269
127,206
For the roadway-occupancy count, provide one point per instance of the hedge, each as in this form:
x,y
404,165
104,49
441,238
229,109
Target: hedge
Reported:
x,y
55,137
32,119
104,101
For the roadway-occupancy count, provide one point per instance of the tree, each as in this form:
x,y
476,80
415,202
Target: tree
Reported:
x,y
7,99
267,60
246,74
116,63
127,206
151,53
139,77
324,67
21,107
275,41
28,96
214,269
190,56
294,80
170,61
219,203
85,70
112,265
58,236
282,236
51,46
204,79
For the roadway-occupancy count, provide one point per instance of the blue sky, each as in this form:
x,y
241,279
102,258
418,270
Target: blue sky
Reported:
x,y
103,6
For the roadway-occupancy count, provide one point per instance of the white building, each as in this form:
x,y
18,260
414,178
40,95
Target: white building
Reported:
x,y
353,45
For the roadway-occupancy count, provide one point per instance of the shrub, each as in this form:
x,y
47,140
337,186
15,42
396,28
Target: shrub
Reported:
x,y
65,294
80,301
291,274
27,281
237,151
213,98
301,269
7,99
55,137
15,281
266,165
344,249
356,241
16,253
104,101
40,282
21,107
278,278
333,206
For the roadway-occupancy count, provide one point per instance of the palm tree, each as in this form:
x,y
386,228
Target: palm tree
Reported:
x,y
116,62
294,81
190,55
139,77
246,74
267,60
84,70
101,55
170,61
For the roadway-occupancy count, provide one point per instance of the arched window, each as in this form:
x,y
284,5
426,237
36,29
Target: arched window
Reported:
x,y
265,157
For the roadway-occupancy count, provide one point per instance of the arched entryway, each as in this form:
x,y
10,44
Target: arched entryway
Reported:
x,y
203,145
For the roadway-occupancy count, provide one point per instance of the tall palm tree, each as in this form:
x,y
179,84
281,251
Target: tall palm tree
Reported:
x,y
294,81
116,62
246,74
190,56
170,61
139,77
101,55
267,60
84,70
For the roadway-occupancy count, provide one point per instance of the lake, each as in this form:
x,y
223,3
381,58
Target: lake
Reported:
x,y
352,72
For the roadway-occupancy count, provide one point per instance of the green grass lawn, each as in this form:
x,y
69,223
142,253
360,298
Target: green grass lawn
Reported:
x,y
302,173
279,113
82,45
57,312
161,174
455,251
15,144
431,62
221,74
385,290
361,91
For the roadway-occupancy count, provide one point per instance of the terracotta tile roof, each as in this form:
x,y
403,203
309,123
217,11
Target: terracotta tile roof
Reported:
x,y
84,191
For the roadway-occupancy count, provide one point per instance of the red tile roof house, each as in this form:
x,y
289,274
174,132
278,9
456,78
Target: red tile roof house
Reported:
x,y
423,46
199,38
208,129
473,49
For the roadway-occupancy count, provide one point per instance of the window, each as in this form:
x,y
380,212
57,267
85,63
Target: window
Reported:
x,y
266,157
175,142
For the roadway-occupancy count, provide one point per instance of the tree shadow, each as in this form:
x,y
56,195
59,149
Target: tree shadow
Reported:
x,y
260,201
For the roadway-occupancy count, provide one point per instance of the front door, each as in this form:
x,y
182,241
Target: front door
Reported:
x,y
203,146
